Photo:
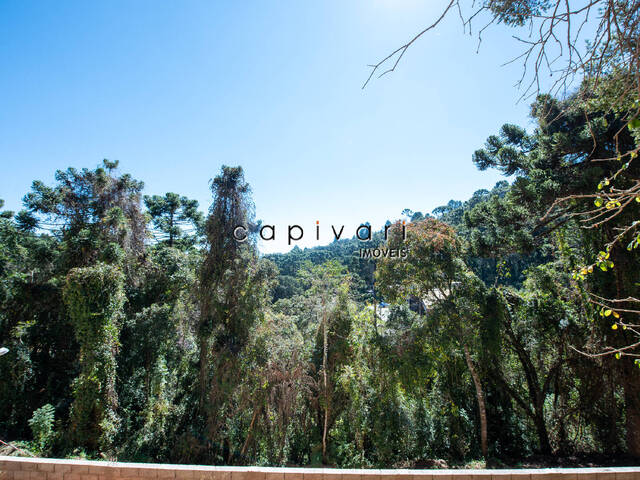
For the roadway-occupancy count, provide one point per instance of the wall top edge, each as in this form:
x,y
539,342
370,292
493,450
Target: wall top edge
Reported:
x,y
329,471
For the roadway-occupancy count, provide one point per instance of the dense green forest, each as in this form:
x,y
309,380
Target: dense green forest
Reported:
x,y
139,328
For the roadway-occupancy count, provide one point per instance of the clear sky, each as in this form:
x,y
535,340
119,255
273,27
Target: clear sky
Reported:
x,y
174,90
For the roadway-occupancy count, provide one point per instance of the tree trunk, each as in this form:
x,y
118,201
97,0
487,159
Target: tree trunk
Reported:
x,y
204,367
147,376
536,393
631,384
326,392
171,230
541,429
375,318
480,398
625,272
250,432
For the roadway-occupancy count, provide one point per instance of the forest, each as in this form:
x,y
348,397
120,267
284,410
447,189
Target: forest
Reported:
x,y
140,329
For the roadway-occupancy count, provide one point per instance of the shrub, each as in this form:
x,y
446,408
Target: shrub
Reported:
x,y
41,424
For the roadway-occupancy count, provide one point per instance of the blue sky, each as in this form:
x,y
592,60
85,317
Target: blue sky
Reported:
x,y
174,90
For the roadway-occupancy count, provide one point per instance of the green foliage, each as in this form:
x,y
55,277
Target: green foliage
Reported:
x,y
176,218
91,209
433,264
41,424
556,161
517,13
233,290
196,349
94,297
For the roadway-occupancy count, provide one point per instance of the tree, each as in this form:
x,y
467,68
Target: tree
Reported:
x,y
558,161
94,297
33,325
158,352
603,59
555,42
329,292
278,387
537,325
172,215
233,288
97,213
436,275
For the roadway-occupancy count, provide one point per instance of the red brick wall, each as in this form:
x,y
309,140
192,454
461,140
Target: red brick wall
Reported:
x,y
12,468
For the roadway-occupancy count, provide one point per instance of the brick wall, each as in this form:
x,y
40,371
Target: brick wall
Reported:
x,y
12,468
